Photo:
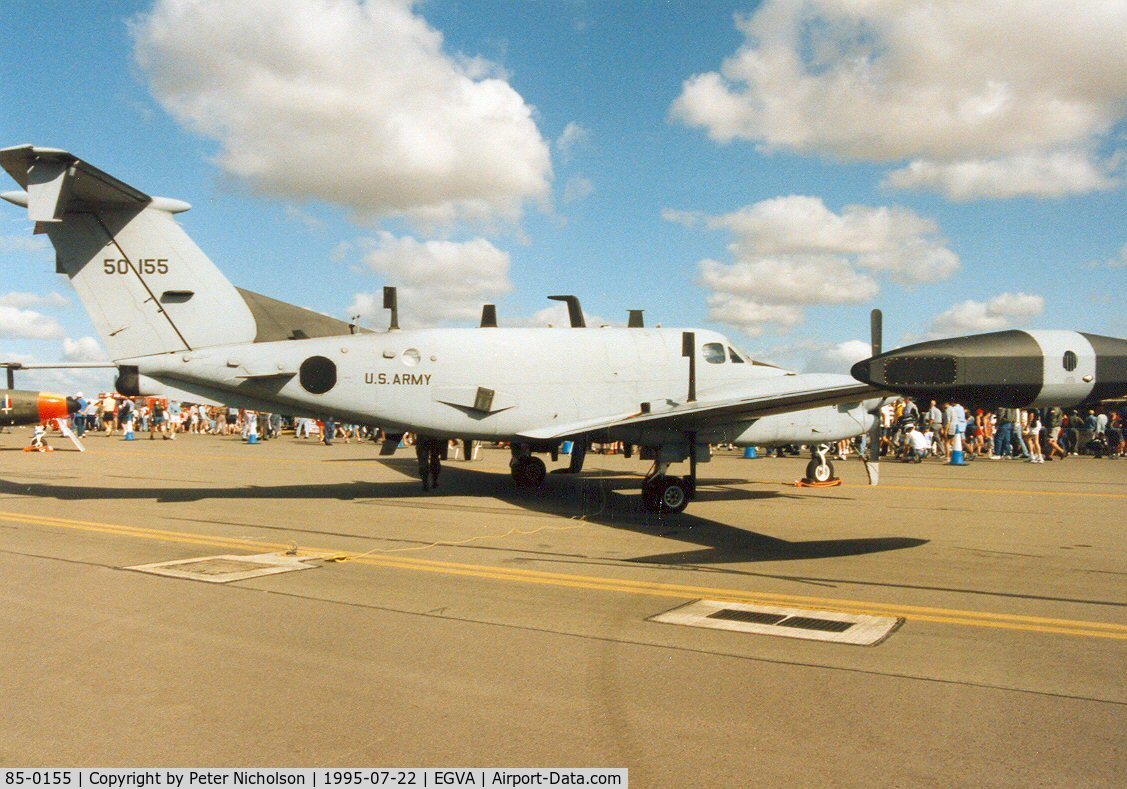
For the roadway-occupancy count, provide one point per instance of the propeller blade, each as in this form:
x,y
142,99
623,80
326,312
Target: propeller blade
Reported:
x,y
876,329
876,320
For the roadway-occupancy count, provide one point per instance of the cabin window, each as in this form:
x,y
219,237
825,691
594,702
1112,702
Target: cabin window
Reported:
x,y
736,358
1069,361
713,353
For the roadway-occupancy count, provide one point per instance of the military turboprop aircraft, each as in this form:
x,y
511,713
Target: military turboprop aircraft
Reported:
x,y
171,321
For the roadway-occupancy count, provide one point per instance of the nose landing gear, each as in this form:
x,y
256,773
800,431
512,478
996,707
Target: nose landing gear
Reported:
x,y
820,470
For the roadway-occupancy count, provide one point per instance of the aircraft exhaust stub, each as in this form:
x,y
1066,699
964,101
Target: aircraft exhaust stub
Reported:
x,y
1010,369
489,316
391,302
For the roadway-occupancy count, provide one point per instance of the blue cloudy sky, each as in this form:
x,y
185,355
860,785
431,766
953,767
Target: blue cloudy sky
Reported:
x,y
773,170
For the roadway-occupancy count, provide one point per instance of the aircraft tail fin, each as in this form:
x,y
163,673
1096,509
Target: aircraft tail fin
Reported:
x,y
147,286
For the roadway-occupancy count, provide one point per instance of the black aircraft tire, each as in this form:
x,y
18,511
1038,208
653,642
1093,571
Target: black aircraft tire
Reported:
x,y
672,496
529,472
816,472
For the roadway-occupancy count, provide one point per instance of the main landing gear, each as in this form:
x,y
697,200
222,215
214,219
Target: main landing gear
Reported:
x,y
528,470
662,493
820,469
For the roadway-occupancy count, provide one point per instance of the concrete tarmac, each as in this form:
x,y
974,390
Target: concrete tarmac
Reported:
x,y
482,625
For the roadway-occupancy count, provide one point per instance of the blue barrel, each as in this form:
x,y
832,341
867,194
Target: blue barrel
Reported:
x,y
750,453
566,448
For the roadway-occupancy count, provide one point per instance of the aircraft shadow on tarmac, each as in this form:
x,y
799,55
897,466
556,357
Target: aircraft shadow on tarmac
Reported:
x,y
593,498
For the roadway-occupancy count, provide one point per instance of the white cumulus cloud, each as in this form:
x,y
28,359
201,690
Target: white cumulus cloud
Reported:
x,y
351,102
1001,312
578,188
22,300
972,91
84,349
843,355
556,317
438,281
16,323
1119,261
573,136
792,252
1053,174
23,244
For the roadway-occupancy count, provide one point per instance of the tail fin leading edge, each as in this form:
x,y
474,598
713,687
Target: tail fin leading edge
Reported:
x,y
147,286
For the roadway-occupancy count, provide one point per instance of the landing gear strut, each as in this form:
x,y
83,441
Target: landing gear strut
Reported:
x,y
820,469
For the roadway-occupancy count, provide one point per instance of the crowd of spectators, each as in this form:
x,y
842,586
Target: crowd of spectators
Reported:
x,y
1037,435
908,431
109,414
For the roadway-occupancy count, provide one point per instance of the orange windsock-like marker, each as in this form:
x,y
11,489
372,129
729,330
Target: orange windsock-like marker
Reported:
x,y
31,408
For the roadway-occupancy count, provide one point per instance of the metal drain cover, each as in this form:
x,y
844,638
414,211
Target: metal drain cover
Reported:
x,y
224,569
835,626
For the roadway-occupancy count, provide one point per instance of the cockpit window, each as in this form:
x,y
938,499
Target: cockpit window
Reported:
x,y
736,358
714,353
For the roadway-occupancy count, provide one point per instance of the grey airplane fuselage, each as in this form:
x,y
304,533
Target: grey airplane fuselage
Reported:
x,y
497,384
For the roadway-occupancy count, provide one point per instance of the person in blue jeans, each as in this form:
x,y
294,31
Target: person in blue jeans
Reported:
x,y
1003,438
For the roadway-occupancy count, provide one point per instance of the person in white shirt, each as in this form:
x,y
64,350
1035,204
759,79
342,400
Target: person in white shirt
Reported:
x,y
918,443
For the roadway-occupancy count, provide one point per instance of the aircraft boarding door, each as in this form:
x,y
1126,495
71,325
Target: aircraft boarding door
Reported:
x,y
657,367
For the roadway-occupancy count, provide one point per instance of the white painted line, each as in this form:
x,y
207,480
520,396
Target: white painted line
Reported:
x,y
813,625
226,568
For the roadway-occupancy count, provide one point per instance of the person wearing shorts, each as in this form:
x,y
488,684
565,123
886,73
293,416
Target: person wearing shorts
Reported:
x,y
156,421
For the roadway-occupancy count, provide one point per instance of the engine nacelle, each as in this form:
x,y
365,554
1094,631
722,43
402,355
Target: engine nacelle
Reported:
x,y
812,426
131,383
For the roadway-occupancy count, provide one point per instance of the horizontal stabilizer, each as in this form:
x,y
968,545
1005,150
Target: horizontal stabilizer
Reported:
x,y
57,181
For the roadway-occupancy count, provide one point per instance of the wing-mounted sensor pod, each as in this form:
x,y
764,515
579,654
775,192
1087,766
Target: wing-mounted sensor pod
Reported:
x,y
1010,369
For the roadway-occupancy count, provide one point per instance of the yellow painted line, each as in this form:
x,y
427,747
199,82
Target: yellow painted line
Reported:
x,y
596,583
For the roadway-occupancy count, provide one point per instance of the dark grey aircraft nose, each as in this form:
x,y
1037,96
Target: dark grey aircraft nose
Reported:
x,y
1013,369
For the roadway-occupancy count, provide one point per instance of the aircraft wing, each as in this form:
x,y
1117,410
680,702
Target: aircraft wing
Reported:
x,y
770,396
